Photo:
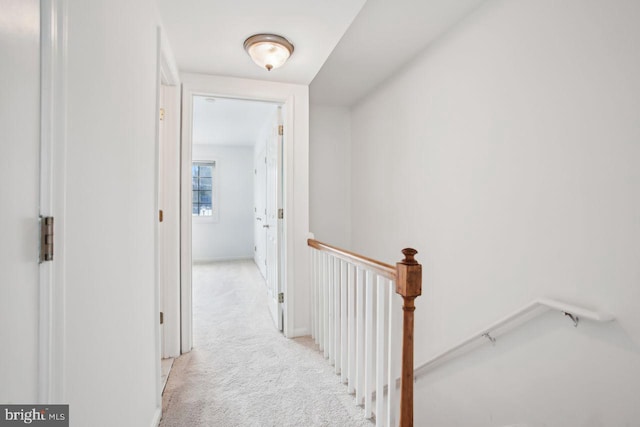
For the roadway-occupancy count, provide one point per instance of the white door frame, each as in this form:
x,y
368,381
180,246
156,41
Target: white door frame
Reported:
x,y
168,76
274,241
168,241
295,98
53,140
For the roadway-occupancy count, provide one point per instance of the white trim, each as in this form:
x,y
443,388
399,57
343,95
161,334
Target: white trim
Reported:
x,y
171,223
157,416
168,71
222,259
156,229
186,150
166,76
301,332
296,195
53,63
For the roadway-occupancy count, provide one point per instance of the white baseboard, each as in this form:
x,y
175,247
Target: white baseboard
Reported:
x,y
300,332
157,415
238,258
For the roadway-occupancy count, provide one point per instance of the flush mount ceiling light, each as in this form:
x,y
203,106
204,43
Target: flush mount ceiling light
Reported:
x,y
268,50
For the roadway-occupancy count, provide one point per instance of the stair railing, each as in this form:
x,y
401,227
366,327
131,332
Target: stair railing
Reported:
x,y
355,305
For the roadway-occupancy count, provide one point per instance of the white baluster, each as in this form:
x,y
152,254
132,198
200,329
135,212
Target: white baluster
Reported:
x,y
319,299
336,315
330,300
323,304
351,312
394,354
369,348
343,322
360,283
312,257
381,288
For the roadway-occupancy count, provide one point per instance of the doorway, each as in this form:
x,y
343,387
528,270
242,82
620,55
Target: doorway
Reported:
x,y
294,99
236,176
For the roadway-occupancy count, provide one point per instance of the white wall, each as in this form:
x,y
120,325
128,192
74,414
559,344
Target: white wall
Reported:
x,y
19,164
330,174
231,236
110,299
508,155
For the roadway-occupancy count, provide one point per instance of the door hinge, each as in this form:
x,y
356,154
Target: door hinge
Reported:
x,y
161,318
280,213
162,114
255,249
280,130
46,239
281,297
160,215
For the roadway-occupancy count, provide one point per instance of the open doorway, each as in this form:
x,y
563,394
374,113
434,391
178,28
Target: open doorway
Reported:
x,y
236,188
294,100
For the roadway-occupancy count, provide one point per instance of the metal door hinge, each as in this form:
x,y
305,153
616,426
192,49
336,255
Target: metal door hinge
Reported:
x,y
162,114
280,213
280,130
46,239
161,318
160,215
281,297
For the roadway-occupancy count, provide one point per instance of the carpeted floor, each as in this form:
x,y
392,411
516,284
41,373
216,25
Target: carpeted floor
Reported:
x,y
242,371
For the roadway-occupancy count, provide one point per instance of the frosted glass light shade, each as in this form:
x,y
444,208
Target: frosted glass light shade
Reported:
x,y
268,50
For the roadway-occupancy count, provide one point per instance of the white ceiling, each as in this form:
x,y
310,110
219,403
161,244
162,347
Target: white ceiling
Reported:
x,y
363,44
207,36
384,37
230,121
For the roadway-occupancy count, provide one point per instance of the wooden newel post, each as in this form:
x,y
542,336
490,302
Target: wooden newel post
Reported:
x,y
409,286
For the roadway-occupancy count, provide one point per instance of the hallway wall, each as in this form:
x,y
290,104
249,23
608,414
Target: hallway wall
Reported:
x,y
231,236
110,300
507,154
330,174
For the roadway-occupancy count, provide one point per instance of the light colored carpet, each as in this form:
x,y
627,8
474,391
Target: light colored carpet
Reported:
x,y
242,371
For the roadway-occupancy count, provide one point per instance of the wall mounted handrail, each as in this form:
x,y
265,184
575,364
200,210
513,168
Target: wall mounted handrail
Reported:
x,y
527,312
378,267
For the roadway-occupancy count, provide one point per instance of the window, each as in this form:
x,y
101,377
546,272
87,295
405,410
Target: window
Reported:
x,y
202,176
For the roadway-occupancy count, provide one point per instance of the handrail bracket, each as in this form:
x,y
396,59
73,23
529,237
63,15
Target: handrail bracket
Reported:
x,y
575,319
490,338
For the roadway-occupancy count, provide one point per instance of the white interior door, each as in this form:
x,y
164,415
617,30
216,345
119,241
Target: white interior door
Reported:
x,y
274,222
20,193
260,211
